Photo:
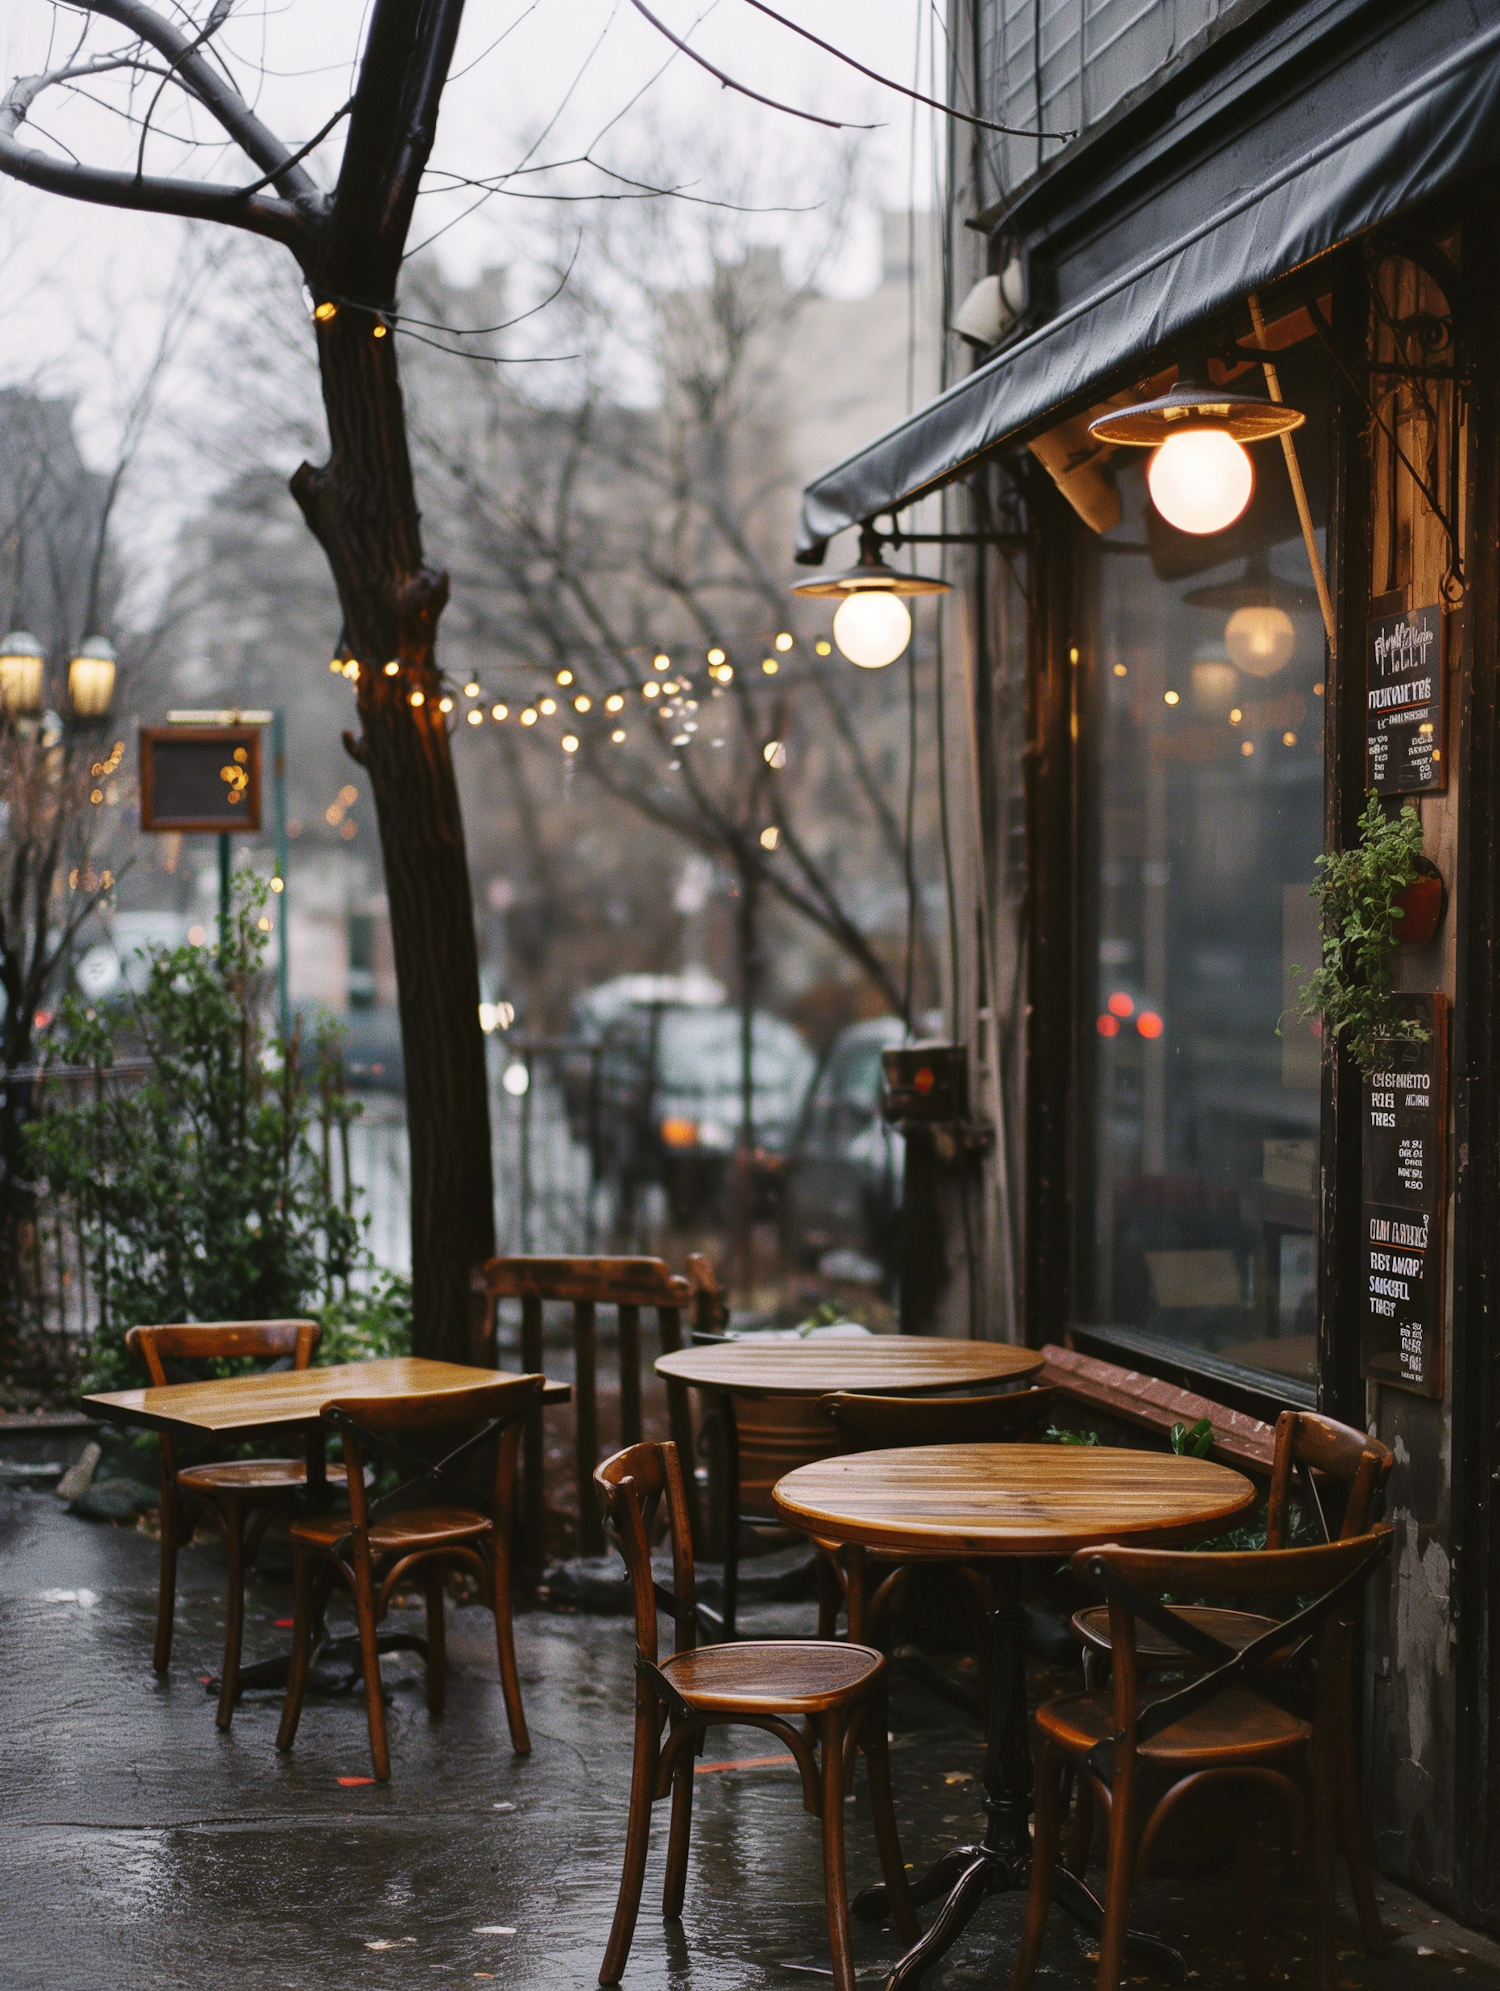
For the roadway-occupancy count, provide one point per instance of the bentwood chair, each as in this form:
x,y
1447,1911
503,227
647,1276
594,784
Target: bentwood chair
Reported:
x,y
242,1495
586,1284
837,1688
1255,1722
1309,1449
380,1544
871,1423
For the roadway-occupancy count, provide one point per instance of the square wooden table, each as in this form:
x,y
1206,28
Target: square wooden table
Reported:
x,y
292,1400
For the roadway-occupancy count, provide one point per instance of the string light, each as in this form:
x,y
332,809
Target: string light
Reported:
x,y
528,717
474,716
392,668
661,662
325,312
565,677
774,753
547,705
351,671
783,642
380,331
570,743
618,735
471,689
823,649
716,656
614,703
582,703
770,666
445,705
650,689
278,884
498,712
1170,697
770,837
337,664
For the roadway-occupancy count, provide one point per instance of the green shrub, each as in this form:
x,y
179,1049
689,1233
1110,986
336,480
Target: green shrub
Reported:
x,y
198,1190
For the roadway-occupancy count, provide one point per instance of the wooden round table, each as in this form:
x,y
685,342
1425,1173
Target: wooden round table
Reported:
x,y
996,1504
767,1390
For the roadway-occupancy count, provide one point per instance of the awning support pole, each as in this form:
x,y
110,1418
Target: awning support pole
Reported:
x,y
1299,489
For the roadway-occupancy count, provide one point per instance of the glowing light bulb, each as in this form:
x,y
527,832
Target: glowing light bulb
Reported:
x,y
770,666
547,705
661,662
565,677
475,716
570,743
471,689
715,656
618,735
1260,639
784,641
392,669
872,628
582,702
1200,481
417,698
528,717
614,703
498,712
823,649
445,705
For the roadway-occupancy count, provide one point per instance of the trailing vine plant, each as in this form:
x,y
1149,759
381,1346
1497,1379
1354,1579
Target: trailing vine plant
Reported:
x,y
1353,994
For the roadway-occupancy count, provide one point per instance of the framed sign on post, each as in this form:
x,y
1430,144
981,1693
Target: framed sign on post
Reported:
x,y
200,780
1403,1207
1405,700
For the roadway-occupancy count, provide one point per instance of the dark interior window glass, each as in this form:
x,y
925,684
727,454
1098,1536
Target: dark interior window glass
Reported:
x,y
1204,745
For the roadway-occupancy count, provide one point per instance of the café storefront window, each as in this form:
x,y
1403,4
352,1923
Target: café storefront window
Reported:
x,y
1201,724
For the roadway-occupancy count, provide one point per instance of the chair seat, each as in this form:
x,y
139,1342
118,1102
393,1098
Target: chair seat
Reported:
x,y
260,1478
773,1676
1154,1649
400,1534
1235,1728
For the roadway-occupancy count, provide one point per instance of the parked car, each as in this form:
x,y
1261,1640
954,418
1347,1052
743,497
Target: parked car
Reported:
x,y
843,1186
666,1101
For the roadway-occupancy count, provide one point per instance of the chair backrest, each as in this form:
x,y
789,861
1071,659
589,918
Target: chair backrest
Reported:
x,y
377,1424
1308,1445
627,1285
870,1423
284,1343
633,1486
710,1308
1133,1579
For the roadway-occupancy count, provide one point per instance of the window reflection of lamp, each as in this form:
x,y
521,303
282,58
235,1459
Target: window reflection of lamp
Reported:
x,y
1260,634
1213,678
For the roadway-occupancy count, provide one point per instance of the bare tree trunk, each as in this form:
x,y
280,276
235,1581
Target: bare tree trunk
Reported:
x,y
362,508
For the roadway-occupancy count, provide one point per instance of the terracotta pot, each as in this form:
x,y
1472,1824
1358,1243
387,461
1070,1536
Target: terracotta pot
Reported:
x,y
1422,904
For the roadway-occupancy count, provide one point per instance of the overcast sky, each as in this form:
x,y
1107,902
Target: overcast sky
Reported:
x,y
554,75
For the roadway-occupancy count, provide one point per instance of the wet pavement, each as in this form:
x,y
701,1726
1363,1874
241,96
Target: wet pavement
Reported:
x,y
140,1849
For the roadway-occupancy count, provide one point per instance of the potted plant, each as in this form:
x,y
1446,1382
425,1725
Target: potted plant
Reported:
x,y
1372,897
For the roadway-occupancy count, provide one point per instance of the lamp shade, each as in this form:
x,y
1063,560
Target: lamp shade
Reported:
x,y
1200,480
91,678
22,667
872,628
1191,405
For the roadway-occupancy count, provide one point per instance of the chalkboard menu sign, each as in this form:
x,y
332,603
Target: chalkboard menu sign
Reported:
x,y
1404,701
1403,1207
200,779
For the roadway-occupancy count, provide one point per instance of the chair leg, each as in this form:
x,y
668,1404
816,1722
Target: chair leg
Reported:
x,y
835,1887
637,1837
1046,1837
1247,1877
857,1568
1356,1854
234,1609
166,1595
437,1641
296,1679
1117,1882
674,1887
1081,1830
883,1816
505,1643
1324,1866
369,1655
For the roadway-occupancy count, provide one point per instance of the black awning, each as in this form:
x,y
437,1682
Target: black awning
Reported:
x,y
1443,126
